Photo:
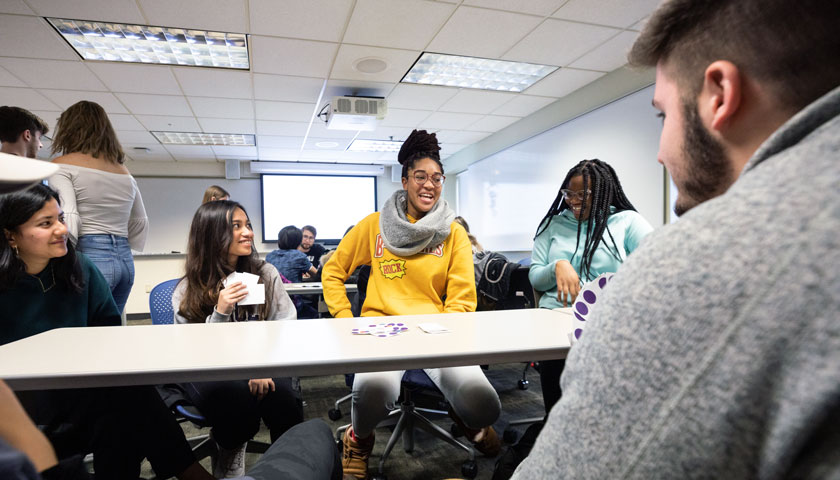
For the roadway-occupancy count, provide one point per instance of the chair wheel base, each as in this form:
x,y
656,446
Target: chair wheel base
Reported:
x,y
509,436
523,384
334,414
455,430
469,469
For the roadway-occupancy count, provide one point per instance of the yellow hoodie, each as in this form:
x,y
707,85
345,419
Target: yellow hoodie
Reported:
x,y
402,285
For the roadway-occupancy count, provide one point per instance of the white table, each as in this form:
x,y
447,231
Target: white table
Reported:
x,y
152,354
312,288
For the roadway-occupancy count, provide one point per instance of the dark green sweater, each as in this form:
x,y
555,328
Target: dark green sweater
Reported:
x,y
27,310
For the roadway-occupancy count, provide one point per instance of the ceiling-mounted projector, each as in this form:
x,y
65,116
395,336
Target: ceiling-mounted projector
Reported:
x,y
356,113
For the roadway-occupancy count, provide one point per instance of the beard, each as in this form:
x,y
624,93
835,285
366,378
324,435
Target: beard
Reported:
x,y
708,170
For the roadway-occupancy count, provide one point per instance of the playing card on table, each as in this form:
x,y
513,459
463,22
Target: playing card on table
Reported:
x,y
381,329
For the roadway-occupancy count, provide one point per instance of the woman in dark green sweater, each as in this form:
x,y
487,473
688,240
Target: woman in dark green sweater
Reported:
x,y
44,284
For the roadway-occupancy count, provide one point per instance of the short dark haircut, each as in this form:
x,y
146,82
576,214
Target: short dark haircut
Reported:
x,y
289,237
16,120
311,230
791,46
420,144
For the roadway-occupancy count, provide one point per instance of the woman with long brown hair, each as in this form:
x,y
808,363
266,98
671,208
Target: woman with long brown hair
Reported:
x,y
220,243
105,215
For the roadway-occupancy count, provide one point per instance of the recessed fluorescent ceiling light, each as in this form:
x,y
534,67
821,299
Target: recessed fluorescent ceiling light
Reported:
x,y
472,72
196,138
119,42
374,146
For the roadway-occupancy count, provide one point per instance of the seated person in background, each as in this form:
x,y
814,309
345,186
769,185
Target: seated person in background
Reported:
x,y
716,351
220,243
313,250
48,286
476,247
418,256
287,259
590,229
215,192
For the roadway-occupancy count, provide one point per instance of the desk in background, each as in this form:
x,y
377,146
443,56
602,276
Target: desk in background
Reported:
x,y
154,354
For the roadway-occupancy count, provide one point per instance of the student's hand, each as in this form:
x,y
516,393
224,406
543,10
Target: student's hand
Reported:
x,y
230,296
305,275
568,282
260,386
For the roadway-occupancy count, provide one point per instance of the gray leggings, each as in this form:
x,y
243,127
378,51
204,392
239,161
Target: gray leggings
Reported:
x,y
466,388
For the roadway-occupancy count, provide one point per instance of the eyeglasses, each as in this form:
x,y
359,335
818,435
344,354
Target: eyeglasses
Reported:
x,y
573,195
421,177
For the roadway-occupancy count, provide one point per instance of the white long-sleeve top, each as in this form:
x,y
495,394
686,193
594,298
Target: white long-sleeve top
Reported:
x,y
99,202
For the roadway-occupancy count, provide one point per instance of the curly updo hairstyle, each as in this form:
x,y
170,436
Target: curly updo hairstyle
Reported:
x,y
419,145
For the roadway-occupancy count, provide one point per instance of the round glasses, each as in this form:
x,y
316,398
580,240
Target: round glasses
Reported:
x,y
573,195
420,178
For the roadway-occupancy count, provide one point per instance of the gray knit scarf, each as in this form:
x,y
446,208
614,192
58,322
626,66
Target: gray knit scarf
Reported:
x,y
404,238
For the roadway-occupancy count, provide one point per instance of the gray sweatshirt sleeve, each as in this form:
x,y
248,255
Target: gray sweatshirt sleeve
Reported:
x,y
282,308
178,295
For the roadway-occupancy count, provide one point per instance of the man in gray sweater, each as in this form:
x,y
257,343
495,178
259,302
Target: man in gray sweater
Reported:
x,y
716,350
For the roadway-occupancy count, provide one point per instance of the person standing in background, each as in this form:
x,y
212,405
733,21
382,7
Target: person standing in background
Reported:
x,y
103,208
20,132
213,193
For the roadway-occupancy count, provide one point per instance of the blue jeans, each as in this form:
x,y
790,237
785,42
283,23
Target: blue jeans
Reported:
x,y
112,256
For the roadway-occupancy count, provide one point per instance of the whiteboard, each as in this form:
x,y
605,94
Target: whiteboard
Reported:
x,y
503,197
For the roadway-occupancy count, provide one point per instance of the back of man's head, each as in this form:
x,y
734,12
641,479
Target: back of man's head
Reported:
x,y
789,47
16,120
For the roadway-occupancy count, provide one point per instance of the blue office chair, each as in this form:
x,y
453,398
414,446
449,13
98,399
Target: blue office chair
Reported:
x,y
408,416
160,309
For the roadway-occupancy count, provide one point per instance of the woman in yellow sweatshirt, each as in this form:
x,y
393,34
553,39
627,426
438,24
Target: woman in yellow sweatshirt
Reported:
x,y
418,256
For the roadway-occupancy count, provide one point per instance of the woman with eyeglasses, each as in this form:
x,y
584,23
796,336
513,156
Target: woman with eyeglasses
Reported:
x,y
421,263
589,229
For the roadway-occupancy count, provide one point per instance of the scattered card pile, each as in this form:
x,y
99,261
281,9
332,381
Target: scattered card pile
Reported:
x,y
381,329
256,291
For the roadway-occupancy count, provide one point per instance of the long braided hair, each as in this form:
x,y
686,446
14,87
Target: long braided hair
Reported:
x,y
600,179
419,145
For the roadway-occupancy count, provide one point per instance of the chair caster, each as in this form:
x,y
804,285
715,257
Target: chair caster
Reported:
x,y
522,384
455,430
469,469
510,436
335,414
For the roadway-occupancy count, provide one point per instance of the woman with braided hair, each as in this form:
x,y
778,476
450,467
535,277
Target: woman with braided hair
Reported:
x,y
421,263
590,229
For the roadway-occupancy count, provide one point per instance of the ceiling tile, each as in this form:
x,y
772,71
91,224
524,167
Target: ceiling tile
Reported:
x,y
557,42
307,19
31,37
357,88
398,117
482,33
476,101
289,154
227,16
287,111
280,87
212,107
143,104
133,137
408,24
226,125
71,75
320,130
9,80
617,13
49,116
136,78
26,98
388,133
125,122
214,82
457,136
156,152
124,11
286,56
447,149
340,144
563,82
398,62
288,129
16,7
523,105
420,97
445,120
492,123
610,55
190,152
66,98
533,7
234,151
275,141
165,123
638,26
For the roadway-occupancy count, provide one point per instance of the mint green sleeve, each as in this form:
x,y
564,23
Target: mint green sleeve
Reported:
x,y
637,229
541,273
